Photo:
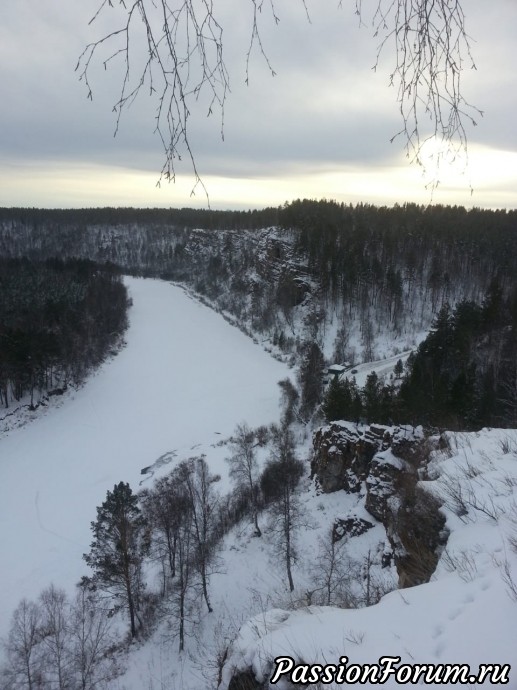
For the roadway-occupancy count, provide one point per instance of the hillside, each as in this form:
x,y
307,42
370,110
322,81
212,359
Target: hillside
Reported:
x,y
466,614
260,530
255,617
173,392
363,282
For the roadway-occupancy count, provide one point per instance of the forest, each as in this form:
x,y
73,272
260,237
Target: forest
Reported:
x,y
321,274
463,376
58,320
318,283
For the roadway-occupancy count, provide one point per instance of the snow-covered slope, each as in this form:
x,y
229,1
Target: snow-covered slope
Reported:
x,y
183,382
467,614
248,581
179,387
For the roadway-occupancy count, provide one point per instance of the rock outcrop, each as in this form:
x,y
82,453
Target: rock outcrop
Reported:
x,y
349,527
383,463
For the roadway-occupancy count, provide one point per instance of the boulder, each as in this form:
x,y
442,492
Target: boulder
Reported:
x,y
349,527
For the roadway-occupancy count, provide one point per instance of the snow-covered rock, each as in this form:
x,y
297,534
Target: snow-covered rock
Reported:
x,y
466,614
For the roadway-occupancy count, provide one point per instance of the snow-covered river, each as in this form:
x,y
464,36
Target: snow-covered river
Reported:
x,y
183,382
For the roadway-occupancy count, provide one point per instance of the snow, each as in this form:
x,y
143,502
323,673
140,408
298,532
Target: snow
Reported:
x,y
249,581
386,457
467,614
183,382
382,367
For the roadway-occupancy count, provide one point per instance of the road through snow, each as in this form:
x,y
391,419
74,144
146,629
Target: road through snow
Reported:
x,y
183,382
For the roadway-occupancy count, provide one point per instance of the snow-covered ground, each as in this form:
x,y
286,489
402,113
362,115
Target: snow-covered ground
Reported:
x,y
182,383
467,614
382,367
249,580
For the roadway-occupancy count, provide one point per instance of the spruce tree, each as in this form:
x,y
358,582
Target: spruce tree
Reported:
x,y
339,403
399,369
332,408
311,379
372,397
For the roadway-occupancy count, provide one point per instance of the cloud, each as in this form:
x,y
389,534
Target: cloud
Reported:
x,y
325,120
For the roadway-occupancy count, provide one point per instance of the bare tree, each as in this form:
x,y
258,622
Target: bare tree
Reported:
x,y
91,642
199,484
333,572
54,643
373,580
163,508
432,49
24,668
181,511
54,635
168,510
175,52
367,339
184,582
244,467
279,480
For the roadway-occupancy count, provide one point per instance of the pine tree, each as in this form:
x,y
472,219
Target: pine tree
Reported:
x,y
399,369
357,403
117,549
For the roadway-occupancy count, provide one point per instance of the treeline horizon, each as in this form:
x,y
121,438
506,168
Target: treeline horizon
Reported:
x,y
213,218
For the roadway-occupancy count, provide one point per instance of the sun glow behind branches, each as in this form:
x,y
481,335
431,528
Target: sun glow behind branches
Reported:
x,y
442,165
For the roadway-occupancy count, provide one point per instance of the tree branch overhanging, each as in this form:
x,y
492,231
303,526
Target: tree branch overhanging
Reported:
x,y
174,49
432,50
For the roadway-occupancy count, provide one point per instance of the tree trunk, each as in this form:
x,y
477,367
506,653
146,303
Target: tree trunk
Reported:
x,y
182,618
205,587
255,520
171,547
287,518
288,565
131,606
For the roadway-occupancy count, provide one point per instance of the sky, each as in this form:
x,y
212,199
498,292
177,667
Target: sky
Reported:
x,y
321,127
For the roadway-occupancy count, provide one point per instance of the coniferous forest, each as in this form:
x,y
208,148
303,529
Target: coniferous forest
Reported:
x,y
462,376
58,320
296,273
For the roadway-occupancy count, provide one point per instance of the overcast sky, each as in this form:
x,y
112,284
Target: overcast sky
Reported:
x,y
320,128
